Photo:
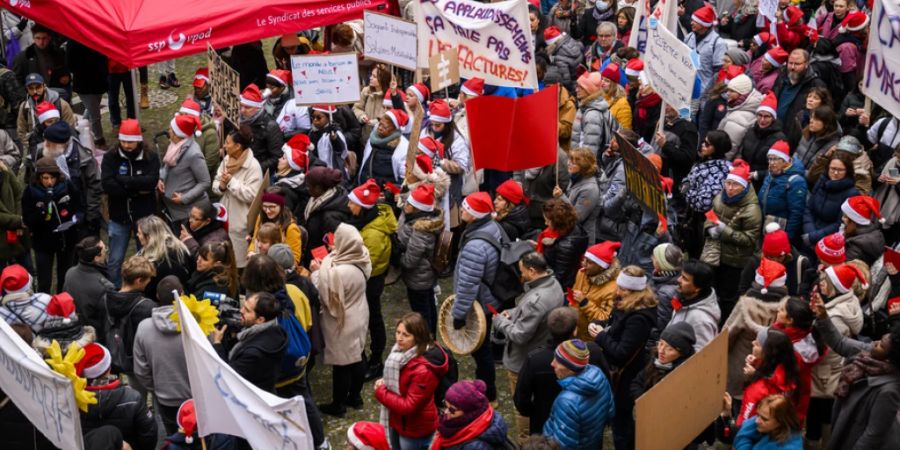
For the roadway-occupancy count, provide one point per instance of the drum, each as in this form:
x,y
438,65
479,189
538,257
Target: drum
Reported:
x,y
467,339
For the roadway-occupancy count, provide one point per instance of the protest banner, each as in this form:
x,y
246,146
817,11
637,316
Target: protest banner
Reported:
x,y
671,67
389,40
881,80
494,40
686,401
514,134
330,79
227,403
638,37
224,86
641,177
443,69
44,396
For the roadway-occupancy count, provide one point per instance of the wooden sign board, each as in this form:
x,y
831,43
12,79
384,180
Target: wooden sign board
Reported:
x,y
224,86
444,69
256,205
641,177
685,402
390,40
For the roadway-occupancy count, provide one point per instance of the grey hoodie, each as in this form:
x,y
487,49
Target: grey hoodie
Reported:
x,y
704,316
159,358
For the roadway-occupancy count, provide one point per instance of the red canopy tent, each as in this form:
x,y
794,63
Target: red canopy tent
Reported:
x,y
140,32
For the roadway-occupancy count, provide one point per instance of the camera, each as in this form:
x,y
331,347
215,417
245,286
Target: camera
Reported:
x,y
229,310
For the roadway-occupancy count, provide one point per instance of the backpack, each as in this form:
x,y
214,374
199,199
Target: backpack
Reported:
x,y
506,285
298,346
119,338
440,259
449,378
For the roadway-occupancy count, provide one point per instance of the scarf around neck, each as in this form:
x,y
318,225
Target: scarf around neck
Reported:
x,y
394,363
247,333
548,234
174,151
383,142
864,365
233,165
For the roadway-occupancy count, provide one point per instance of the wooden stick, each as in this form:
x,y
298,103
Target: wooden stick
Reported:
x,y
203,442
868,107
418,117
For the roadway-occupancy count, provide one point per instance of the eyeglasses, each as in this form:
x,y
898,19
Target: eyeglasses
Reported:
x,y
837,169
269,207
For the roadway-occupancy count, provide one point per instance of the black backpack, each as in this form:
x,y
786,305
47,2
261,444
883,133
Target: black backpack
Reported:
x,y
119,338
506,285
452,376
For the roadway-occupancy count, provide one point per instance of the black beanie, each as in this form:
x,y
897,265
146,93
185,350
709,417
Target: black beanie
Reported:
x,y
681,337
59,132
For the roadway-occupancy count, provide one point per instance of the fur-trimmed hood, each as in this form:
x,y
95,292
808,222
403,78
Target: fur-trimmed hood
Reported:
x,y
431,224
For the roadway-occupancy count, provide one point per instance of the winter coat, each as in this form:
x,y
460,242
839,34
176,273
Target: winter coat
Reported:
x,y
124,408
738,119
13,95
345,344
27,118
866,244
9,151
581,411
88,69
413,413
212,232
704,182
743,222
665,286
777,383
28,61
189,177
645,119
846,315
257,358
762,81
565,57
866,418
131,306
130,185
612,220
801,274
237,198
823,209
159,363
748,438
370,105
863,170
752,312
784,196
755,147
323,217
680,151
44,210
290,236
593,124
584,195
368,164
564,255
792,98
620,111
492,438
418,235
476,267
566,117
623,345
11,191
526,328
516,224
267,142
600,294
209,144
703,314
26,307
810,147
377,237
201,284
710,49
87,283
176,262
293,120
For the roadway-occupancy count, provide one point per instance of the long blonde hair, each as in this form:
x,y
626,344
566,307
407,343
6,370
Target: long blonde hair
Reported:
x,y
160,241
637,299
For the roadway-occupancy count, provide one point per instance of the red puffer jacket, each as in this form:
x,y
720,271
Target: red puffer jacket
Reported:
x,y
762,388
413,413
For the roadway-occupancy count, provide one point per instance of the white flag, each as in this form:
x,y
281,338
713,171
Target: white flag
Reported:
x,y
226,403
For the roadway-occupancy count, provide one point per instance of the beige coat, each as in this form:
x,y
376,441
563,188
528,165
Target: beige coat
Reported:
x,y
240,193
371,105
847,317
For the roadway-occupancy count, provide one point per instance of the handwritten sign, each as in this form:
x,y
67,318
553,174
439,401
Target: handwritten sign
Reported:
x,y
331,79
444,69
670,65
390,40
493,40
881,80
224,86
641,177
44,396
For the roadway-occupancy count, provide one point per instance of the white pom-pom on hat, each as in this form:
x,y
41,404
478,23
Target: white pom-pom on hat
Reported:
x,y
772,227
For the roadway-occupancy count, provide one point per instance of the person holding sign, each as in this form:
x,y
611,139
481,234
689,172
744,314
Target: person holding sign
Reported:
x,y
370,105
331,145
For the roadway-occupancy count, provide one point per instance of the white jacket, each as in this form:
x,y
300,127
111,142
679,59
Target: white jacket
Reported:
x,y
237,198
703,316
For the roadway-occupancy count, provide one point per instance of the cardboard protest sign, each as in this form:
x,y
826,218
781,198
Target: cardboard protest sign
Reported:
x,y
641,177
444,69
256,205
390,40
671,67
881,80
44,396
494,40
330,79
227,403
686,401
224,86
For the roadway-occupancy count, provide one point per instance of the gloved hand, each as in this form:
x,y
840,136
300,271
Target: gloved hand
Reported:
x,y
332,128
714,232
458,323
22,24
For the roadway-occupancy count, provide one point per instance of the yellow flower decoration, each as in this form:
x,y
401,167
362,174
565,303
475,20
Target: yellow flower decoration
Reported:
x,y
203,311
65,366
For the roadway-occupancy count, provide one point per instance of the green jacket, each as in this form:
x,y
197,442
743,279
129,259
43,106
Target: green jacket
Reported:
x,y
11,215
377,238
209,145
743,222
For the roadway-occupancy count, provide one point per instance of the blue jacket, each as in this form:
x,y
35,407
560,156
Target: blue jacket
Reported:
x,y
823,210
750,439
476,268
785,196
494,437
581,410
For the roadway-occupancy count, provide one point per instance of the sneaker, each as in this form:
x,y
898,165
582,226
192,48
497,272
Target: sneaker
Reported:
x,y
173,81
163,82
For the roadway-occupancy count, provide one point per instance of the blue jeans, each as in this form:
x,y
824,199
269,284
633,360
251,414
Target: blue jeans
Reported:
x,y
119,235
405,443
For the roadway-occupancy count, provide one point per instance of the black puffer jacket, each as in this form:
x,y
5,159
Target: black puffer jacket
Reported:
x,y
124,408
866,244
516,224
257,358
755,146
267,142
564,255
130,184
325,218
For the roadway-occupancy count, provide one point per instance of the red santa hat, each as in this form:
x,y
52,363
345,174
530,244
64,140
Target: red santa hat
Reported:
x,y
201,77
611,72
776,56
221,214
830,249
705,16
187,420
439,111
861,208
431,146
95,363
185,126
279,76
854,21
842,277
15,279
296,151
420,91
327,109
769,105
552,34
387,97
189,106
422,197
776,242
739,173
130,131
367,436
252,97
512,191
478,204
781,149
366,194
398,117
793,16
62,305
46,111
770,274
423,161
634,67
603,253
473,87
763,38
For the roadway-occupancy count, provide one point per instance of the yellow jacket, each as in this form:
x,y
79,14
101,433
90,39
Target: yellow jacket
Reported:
x,y
291,237
600,292
377,238
621,111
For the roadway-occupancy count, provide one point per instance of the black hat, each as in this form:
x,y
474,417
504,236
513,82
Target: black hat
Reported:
x,y
681,337
59,132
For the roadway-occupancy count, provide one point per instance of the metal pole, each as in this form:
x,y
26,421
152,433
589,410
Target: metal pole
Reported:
x,y
135,94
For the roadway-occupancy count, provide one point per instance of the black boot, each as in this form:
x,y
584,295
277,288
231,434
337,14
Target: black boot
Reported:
x,y
374,371
333,409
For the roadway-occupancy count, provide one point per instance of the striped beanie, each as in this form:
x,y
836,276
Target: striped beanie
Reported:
x,y
573,354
